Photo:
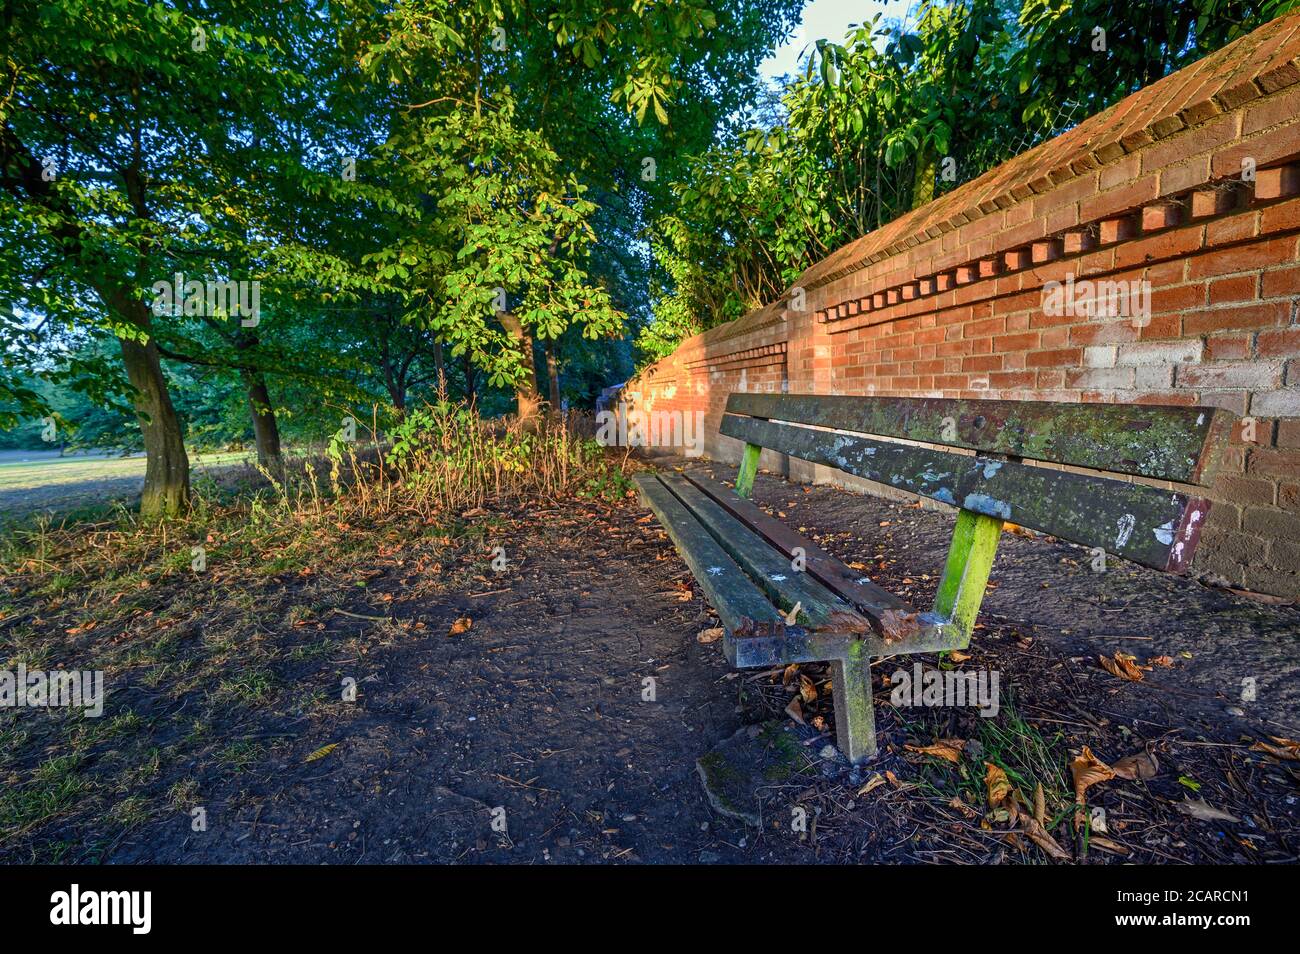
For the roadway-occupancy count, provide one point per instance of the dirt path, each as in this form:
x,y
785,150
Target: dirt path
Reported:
x,y
538,708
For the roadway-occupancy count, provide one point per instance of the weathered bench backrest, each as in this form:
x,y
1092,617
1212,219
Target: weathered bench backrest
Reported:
x,y
1149,525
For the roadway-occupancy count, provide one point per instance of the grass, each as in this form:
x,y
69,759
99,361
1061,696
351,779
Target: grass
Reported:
x,y
1017,747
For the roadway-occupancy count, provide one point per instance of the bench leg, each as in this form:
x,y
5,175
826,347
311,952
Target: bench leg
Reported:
x,y
855,722
748,468
970,558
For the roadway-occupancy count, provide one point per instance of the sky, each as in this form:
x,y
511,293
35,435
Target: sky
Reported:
x,y
829,20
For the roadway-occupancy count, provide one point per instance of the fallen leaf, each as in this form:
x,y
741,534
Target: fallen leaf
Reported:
x,y
1165,661
807,689
795,711
958,656
1087,770
709,635
461,625
1040,805
1040,837
1105,844
962,807
874,782
996,784
320,753
1139,765
1197,808
949,749
1122,665
1286,749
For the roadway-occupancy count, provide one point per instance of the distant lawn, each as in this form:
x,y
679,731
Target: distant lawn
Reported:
x,y
63,483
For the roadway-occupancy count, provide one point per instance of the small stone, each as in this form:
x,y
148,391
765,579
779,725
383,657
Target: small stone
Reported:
x,y
1236,711
828,752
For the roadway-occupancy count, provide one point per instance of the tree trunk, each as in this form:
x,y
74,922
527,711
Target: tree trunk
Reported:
x,y
440,364
396,393
167,468
553,375
266,432
527,395
468,366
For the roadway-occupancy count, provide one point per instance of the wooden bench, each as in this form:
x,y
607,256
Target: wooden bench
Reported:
x,y
782,599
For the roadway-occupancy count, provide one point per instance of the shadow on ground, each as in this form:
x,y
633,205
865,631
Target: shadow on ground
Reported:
x,y
564,725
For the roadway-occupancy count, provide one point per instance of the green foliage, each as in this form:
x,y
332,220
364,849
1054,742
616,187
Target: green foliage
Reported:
x,y
894,115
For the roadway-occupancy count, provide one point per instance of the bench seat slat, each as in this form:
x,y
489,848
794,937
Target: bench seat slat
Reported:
x,y
740,604
1182,444
889,613
820,609
1155,527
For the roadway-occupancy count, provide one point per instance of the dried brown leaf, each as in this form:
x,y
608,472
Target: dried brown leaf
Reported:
x,y
1139,765
1286,749
949,749
1122,665
795,711
996,784
1040,837
874,782
807,689
1087,770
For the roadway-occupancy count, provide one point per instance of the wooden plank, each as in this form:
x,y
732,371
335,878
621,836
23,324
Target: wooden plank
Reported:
x,y
1181,444
740,605
820,609
1154,527
891,615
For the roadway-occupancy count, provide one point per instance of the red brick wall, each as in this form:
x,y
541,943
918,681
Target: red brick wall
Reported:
x,y
949,300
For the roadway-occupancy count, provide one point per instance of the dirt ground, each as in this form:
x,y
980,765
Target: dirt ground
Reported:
x,y
533,736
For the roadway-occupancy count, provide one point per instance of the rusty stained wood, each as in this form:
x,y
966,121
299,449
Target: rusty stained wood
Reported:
x,y
1182,444
891,615
1157,528
771,571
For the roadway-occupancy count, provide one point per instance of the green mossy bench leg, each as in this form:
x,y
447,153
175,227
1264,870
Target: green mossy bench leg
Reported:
x,y
970,558
748,468
855,719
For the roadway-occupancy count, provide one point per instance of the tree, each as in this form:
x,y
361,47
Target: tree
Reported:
x,y
893,116
119,142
